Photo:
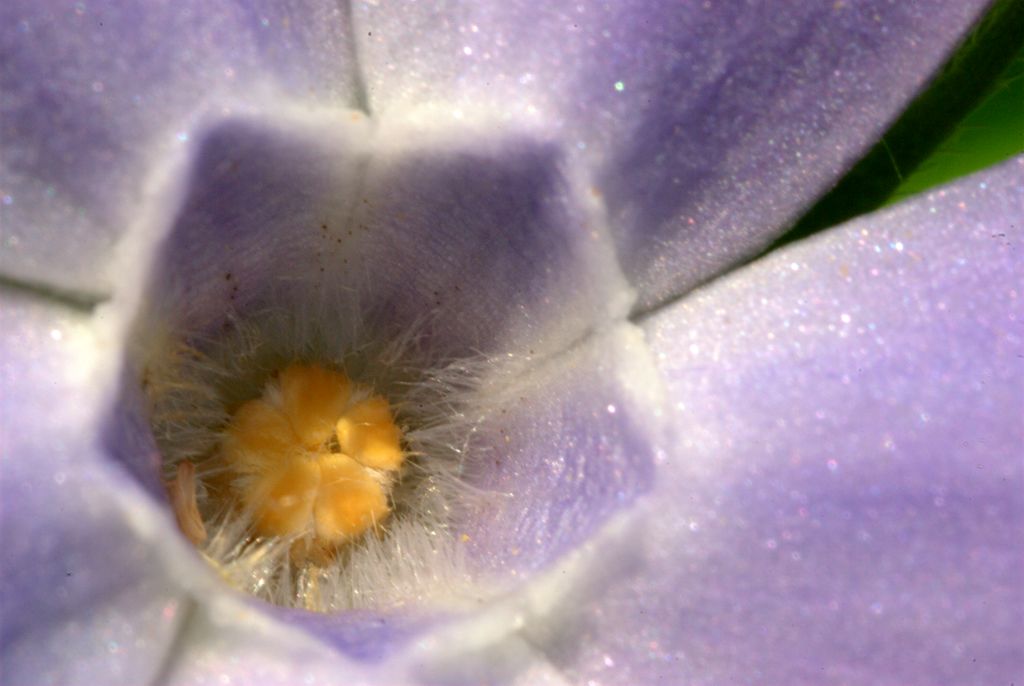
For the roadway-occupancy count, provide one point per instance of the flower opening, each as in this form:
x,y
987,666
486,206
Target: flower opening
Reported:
x,y
336,439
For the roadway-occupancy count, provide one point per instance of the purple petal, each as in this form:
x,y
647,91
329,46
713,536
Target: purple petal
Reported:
x,y
120,638
491,236
479,245
844,499
571,443
707,127
98,95
241,647
82,599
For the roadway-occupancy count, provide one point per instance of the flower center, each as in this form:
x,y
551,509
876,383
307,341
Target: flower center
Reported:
x,y
311,460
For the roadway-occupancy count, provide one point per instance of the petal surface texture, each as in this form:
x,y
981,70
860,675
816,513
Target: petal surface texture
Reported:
x,y
843,498
706,127
83,599
561,449
97,96
478,243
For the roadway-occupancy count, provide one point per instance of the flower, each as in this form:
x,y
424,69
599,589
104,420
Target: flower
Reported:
x,y
807,470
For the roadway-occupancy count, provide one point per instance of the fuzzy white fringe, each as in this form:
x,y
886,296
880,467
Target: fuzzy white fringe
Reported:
x,y
194,382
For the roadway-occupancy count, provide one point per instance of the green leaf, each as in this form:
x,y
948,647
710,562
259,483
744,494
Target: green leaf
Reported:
x,y
980,67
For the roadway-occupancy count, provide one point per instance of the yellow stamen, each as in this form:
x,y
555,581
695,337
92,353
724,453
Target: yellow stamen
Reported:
x,y
313,399
282,452
258,438
367,433
351,500
282,500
